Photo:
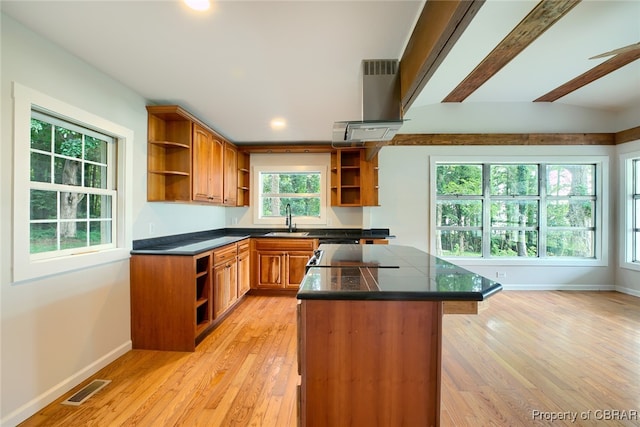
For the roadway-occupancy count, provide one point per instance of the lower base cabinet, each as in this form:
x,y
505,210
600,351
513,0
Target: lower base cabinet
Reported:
x,y
279,264
369,363
176,299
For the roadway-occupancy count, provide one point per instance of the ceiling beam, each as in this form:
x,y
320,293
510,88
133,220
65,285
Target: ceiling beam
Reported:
x,y
628,135
601,70
440,25
541,18
453,139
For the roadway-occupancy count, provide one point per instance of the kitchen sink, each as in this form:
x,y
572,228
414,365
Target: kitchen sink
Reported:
x,y
287,234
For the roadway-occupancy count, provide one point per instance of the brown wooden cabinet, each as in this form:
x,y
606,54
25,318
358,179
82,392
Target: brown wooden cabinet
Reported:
x,y
280,263
171,300
208,152
244,178
366,363
230,178
168,154
225,279
189,162
354,180
244,267
176,299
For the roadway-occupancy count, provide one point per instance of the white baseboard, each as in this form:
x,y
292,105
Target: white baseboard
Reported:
x,y
550,287
629,291
39,402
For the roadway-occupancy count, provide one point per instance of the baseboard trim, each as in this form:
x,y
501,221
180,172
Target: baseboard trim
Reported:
x,y
550,287
628,291
55,392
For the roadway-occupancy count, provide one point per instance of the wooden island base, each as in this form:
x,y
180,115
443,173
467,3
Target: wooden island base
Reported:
x,y
370,363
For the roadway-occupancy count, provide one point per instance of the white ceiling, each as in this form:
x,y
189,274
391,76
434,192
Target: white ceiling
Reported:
x,y
243,63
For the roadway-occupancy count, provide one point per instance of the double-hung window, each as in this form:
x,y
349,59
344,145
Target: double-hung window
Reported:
x,y
501,210
71,207
72,188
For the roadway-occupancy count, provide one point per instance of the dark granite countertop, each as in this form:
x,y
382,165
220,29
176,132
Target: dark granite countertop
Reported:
x,y
405,273
198,242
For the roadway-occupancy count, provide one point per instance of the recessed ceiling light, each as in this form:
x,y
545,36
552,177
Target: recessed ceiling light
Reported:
x,y
278,123
199,5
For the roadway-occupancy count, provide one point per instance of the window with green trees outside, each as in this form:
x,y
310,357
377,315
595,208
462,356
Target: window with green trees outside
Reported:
x,y
524,210
301,190
72,187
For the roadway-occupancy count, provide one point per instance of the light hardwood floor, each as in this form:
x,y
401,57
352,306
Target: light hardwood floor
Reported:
x,y
557,353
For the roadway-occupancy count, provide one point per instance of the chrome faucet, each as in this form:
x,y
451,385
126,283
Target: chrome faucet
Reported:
x,y
287,212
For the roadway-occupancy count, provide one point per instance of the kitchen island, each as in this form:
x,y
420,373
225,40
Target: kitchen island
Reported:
x,y
370,334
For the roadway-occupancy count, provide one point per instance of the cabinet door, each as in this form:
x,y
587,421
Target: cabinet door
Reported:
x,y
220,289
244,273
230,174
217,169
296,263
271,272
202,152
231,281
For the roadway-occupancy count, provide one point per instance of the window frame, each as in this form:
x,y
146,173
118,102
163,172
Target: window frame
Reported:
x,y
297,220
27,266
600,215
629,177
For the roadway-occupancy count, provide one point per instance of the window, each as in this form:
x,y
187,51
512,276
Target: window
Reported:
x,y
71,209
300,187
72,188
516,210
635,253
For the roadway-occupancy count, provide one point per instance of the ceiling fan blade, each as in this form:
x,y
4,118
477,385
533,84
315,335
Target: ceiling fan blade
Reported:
x,y
619,50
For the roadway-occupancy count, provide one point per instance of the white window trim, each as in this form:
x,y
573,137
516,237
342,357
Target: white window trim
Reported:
x,y
25,267
626,210
602,212
297,220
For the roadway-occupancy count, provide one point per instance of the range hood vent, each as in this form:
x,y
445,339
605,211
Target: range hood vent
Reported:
x,y
380,106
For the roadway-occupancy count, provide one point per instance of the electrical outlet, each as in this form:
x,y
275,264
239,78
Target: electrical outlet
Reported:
x,y
152,228
501,274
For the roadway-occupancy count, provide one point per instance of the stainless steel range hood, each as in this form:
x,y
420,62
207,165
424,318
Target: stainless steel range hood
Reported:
x,y
380,106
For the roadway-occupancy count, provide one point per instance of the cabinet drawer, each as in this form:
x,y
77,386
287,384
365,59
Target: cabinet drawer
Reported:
x,y
285,244
225,253
243,246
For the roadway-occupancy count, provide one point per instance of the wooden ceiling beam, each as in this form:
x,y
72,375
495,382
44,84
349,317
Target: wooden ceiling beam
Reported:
x,y
541,18
440,25
453,139
628,135
601,70
286,148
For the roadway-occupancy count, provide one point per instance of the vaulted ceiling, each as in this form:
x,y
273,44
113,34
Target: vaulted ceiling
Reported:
x,y
482,66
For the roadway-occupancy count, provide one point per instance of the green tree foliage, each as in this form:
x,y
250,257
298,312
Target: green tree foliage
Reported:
x,y
514,191
59,156
299,190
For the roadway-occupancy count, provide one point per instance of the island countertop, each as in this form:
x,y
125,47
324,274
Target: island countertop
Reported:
x,y
391,272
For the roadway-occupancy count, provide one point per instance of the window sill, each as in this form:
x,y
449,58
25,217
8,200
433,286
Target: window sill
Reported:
x,y
32,270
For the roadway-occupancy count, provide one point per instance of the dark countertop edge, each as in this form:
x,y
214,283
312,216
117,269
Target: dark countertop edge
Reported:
x,y
398,295
213,243
159,245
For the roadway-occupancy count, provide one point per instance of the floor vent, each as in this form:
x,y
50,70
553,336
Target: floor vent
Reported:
x,y
85,393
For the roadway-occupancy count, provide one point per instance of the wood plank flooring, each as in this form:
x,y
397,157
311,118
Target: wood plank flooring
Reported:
x,y
528,357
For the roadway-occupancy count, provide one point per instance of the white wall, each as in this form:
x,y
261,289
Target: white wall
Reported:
x,y
58,330
404,199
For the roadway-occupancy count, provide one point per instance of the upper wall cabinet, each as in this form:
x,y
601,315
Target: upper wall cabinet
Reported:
x,y
188,162
169,154
244,175
208,152
354,180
